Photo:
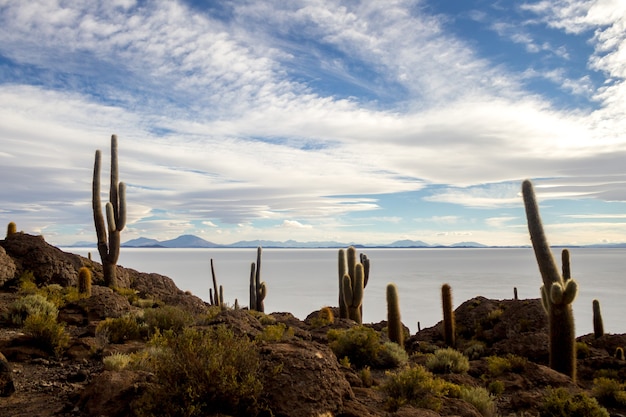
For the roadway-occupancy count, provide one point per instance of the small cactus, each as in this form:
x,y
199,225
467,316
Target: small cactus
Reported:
x,y
11,229
598,326
619,353
395,331
84,281
216,297
448,316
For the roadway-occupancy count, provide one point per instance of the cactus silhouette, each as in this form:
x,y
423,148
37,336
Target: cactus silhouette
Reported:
x,y
84,281
598,326
109,237
449,327
395,330
216,296
557,293
258,289
343,270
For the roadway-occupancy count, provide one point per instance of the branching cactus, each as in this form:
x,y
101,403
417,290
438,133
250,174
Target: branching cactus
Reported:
x,y
557,293
347,266
109,235
395,330
353,293
84,281
449,325
598,325
258,289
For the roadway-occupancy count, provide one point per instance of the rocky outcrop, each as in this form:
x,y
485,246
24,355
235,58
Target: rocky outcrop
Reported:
x,y
7,267
7,387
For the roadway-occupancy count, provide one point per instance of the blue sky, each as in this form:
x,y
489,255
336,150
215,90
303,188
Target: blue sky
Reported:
x,y
355,121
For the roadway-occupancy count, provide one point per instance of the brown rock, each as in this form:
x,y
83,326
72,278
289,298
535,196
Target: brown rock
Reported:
x,y
7,267
303,379
103,303
112,393
7,387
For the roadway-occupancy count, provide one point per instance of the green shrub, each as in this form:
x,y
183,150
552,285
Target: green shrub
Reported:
x,y
167,318
32,304
480,398
26,282
366,377
496,387
116,361
609,392
49,334
416,386
558,402
499,365
447,360
360,344
120,329
475,350
582,350
202,373
275,333
391,355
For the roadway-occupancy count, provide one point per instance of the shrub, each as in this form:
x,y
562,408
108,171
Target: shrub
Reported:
x,y
475,350
27,284
416,386
49,334
203,373
558,402
167,318
120,329
447,360
366,377
609,392
360,344
582,350
480,398
499,365
116,361
32,304
391,355
275,333
496,387
323,318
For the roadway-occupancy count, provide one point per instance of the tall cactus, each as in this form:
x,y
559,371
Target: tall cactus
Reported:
x,y
557,293
343,270
216,295
353,293
598,325
347,266
109,243
449,324
258,288
395,330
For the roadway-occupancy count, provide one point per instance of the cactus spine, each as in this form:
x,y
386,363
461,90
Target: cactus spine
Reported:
x,y
258,289
395,330
353,293
109,243
449,327
11,229
598,326
557,293
84,281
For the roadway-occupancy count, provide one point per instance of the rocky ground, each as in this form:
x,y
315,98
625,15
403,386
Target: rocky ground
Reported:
x,y
311,381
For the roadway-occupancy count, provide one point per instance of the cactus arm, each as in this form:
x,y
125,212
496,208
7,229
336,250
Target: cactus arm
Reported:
x,y
97,206
252,287
121,218
347,290
217,300
351,257
343,270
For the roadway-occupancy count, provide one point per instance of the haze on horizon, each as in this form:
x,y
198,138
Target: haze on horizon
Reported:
x,y
349,121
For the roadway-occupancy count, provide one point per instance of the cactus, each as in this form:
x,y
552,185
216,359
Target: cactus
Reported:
x,y
557,293
515,293
84,281
11,229
619,353
109,243
598,326
395,330
326,315
448,316
343,270
258,289
216,297
353,293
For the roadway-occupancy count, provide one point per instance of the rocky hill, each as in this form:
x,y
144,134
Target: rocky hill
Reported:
x,y
270,364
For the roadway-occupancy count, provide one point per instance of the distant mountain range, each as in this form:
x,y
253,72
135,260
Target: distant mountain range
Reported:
x,y
191,241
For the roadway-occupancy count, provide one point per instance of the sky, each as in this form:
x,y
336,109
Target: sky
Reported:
x,y
352,121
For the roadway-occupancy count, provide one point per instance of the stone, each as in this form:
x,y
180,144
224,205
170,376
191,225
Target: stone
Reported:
x,y
7,387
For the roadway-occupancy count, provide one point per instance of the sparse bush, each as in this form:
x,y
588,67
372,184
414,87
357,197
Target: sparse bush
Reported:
x,y
558,402
366,376
116,361
360,344
129,293
203,373
499,365
275,333
496,387
323,318
32,304
391,355
49,334
447,360
475,350
480,398
582,350
609,392
120,329
27,284
167,318
417,386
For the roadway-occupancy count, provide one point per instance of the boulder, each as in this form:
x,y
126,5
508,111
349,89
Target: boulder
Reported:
x,y
7,267
7,387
